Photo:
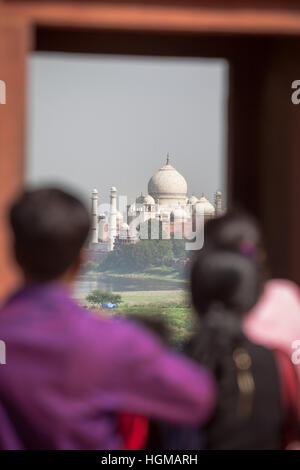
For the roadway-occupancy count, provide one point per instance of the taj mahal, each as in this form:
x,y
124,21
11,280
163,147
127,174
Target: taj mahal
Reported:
x,y
167,202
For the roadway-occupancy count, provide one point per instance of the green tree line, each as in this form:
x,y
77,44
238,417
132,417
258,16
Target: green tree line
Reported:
x,y
145,253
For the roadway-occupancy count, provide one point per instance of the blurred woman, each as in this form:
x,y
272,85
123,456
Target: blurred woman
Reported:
x,y
251,412
275,320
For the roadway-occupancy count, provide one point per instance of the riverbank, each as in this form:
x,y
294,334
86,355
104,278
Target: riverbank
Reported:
x,y
150,280
159,274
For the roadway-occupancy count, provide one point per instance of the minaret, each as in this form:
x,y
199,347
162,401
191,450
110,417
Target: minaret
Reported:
x,y
112,230
218,203
103,228
94,216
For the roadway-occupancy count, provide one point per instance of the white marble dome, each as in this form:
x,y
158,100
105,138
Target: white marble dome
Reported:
x,y
192,200
140,199
149,200
168,187
205,206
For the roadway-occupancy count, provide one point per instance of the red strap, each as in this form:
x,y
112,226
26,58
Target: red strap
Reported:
x,y
134,431
289,387
288,380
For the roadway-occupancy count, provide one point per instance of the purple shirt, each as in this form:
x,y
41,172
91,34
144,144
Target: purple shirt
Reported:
x,y
68,373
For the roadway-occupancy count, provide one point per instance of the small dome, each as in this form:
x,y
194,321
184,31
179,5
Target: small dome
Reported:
x,y
113,189
149,200
205,206
192,200
95,191
119,215
140,199
124,226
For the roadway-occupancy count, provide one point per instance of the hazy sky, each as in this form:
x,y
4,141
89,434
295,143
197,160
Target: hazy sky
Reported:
x,y
102,121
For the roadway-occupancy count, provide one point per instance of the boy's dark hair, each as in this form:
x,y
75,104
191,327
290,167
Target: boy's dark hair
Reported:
x,y
50,227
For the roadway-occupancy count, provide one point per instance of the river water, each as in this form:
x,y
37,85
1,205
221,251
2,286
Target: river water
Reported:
x,y
88,282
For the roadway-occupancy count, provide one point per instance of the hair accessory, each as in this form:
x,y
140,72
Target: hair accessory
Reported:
x,y
245,382
247,248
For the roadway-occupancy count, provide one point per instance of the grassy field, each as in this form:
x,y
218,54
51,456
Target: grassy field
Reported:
x,y
170,307
154,297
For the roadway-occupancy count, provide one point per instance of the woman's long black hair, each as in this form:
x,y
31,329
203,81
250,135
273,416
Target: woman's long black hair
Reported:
x,y
225,285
